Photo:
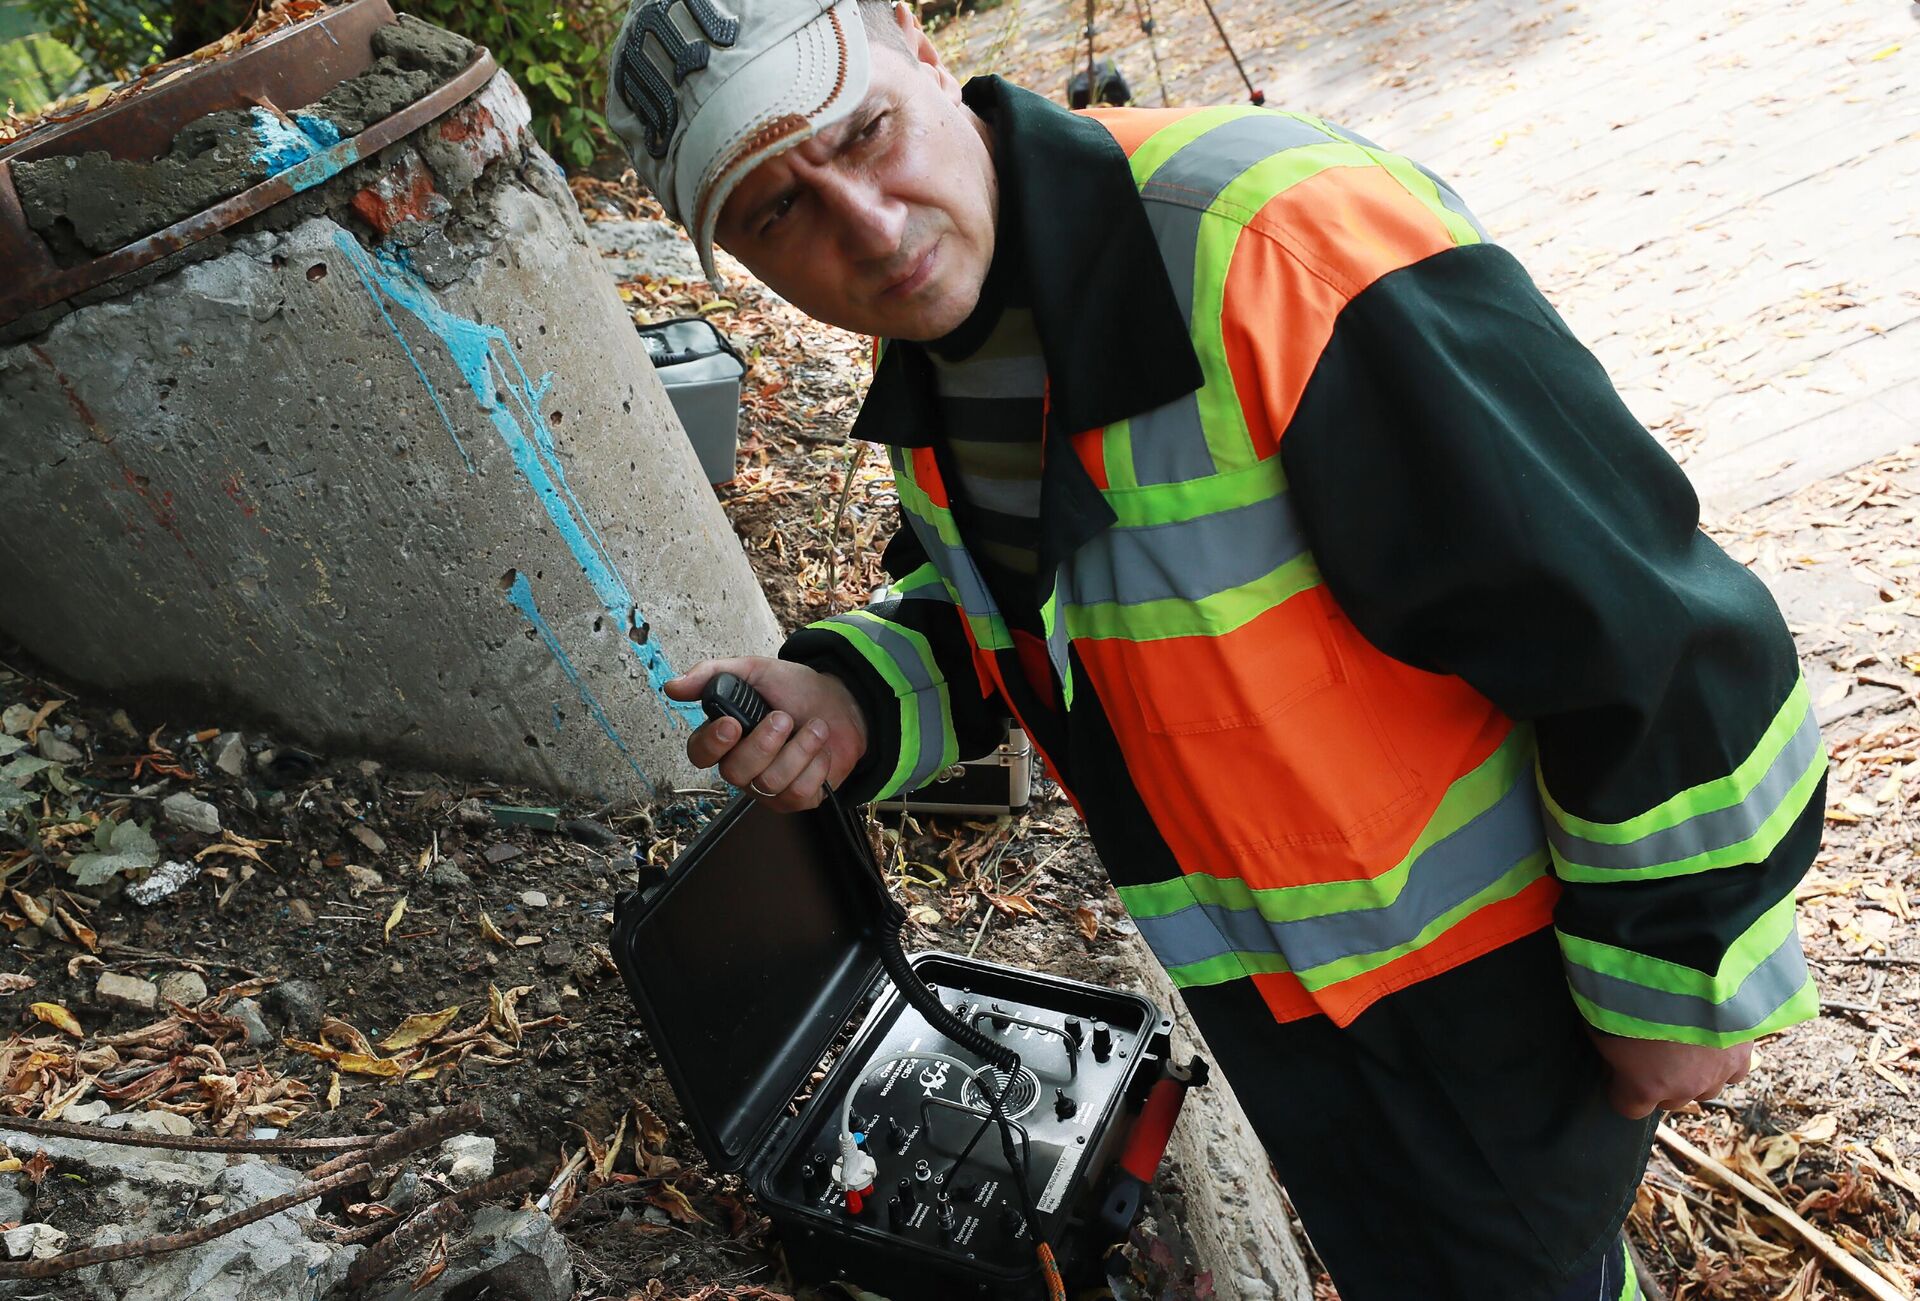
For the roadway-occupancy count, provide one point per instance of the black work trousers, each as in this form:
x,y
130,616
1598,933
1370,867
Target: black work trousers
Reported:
x,y
1454,1143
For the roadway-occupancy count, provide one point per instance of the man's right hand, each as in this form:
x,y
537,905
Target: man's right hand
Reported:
x,y
812,736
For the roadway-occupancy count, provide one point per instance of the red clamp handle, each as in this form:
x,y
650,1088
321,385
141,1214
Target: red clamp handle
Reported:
x,y
1147,1142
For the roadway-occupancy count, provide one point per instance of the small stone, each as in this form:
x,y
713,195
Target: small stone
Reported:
x,y
122,724
183,810
247,1013
13,1204
116,990
448,877
472,814
52,747
154,1122
300,913
79,731
16,719
297,1005
87,1113
397,968
230,753
184,987
368,767
466,1159
39,1241
533,899
367,836
502,853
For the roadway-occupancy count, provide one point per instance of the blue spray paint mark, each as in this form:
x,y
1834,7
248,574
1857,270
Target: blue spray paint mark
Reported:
x,y
308,150
489,374
559,719
521,595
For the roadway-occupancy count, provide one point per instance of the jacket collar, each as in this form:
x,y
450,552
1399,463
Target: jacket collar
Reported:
x,y
1110,326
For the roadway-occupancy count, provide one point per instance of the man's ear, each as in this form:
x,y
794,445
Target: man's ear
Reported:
x,y
921,47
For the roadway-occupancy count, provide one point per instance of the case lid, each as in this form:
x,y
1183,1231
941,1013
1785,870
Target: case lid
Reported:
x,y
747,961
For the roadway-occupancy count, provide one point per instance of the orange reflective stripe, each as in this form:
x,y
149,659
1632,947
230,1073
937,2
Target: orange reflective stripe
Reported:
x,y
1302,257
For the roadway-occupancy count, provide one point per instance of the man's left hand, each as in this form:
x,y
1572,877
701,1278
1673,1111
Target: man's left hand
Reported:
x,y
1650,1073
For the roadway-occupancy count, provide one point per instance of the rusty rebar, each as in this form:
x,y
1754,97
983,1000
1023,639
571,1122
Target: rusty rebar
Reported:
x,y
385,1254
166,1242
411,1139
180,1142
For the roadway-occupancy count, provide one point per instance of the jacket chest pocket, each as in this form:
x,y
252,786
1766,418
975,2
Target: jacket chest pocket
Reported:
x,y
1257,749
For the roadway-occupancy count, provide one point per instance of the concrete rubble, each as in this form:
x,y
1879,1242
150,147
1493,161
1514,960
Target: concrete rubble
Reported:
x,y
136,1193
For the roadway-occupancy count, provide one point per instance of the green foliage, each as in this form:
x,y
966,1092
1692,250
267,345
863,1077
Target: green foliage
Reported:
x,y
115,37
34,69
558,55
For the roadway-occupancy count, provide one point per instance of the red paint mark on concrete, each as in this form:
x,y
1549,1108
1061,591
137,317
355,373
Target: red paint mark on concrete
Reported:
x,y
405,193
80,408
232,484
467,123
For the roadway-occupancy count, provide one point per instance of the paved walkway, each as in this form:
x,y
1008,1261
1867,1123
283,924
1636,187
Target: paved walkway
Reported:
x,y
1720,197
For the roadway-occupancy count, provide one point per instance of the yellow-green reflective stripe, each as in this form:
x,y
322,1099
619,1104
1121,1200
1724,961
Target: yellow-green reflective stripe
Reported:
x,y
1750,849
1467,798
1116,447
1766,986
910,739
1171,139
1421,186
1230,966
1803,1006
924,582
1760,941
1719,793
1209,616
1174,503
1629,1276
1220,412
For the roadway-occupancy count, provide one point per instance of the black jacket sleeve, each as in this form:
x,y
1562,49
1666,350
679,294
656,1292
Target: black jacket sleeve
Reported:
x,y
1481,503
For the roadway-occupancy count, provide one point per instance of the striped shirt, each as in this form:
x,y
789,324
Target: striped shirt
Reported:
x,y
990,377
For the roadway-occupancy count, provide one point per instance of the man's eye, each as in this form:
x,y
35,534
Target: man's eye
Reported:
x,y
779,210
872,129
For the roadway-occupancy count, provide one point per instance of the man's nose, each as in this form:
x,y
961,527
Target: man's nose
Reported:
x,y
871,223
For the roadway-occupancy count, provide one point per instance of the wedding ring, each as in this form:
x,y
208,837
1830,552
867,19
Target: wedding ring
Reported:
x,y
755,788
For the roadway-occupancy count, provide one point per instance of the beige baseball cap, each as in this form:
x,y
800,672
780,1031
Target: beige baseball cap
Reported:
x,y
702,91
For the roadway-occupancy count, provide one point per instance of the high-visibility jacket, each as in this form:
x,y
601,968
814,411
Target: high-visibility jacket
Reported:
x,y
1320,747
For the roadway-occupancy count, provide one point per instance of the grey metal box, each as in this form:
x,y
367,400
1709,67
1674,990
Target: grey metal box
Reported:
x,y
701,370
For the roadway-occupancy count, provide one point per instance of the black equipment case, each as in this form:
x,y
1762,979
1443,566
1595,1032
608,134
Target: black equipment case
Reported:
x,y
755,958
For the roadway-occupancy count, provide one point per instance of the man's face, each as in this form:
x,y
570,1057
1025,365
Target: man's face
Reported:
x,y
884,223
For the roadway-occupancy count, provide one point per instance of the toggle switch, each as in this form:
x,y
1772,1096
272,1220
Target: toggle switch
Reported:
x,y
896,1134
1063,1106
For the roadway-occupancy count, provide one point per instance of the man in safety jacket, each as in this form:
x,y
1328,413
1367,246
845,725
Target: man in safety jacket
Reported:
x,y
1459,781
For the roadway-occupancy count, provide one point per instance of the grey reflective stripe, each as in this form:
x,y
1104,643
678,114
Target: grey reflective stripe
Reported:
x,y
1704,832
991,377
1169,446
1168,443
1448,874
1352,137
1189,560
1778,978
1200,169
925,700
1453,201
956,566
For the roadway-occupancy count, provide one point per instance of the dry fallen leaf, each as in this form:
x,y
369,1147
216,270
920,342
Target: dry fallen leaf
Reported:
x,y
79,930
492,932
675,1203
419,1028
360,1064
393,919
333,1092
55,1015
12,982
1089,922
